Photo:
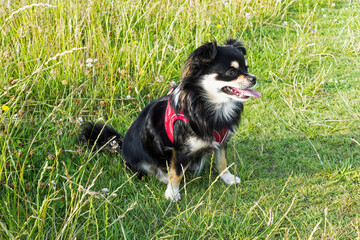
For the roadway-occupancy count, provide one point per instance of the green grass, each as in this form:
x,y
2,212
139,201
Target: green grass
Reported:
x,y
297,150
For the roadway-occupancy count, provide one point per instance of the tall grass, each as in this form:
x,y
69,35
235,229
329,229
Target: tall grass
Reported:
x,y
297,148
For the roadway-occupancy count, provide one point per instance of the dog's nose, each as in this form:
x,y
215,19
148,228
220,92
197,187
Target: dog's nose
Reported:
x,y
251,78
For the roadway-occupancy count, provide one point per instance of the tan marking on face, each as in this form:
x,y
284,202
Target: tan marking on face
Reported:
x,y
242,78
235,64
242,82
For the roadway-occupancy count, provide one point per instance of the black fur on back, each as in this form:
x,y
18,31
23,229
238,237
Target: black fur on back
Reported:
x,y
101,136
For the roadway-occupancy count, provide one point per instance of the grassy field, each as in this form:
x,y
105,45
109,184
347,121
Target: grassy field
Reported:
x,y
297,150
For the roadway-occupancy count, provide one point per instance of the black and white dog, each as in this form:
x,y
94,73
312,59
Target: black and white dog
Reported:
x,y
176,132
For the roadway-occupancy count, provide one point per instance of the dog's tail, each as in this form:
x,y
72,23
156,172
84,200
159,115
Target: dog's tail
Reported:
x,y
101,136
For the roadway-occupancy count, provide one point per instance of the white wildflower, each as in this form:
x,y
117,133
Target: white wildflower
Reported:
x,y
79,120
105,190
15,117
160,78
52,184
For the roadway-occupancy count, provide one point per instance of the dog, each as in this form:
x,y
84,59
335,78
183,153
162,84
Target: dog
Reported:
x,y
199,115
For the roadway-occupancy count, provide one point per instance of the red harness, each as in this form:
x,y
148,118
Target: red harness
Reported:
x,y
171,116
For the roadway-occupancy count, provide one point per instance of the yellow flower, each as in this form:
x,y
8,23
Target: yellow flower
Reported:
x,y
135,42
219,26
5,108
208,34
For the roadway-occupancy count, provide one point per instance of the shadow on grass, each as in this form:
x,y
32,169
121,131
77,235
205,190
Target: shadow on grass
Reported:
x,y
279,157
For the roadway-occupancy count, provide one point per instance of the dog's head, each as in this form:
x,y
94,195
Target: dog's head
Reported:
x,y
221,72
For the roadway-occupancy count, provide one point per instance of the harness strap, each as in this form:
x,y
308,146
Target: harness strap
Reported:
x,y
171,116
221,136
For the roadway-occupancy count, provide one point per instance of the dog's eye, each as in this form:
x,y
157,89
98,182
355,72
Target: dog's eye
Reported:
x,y
231,72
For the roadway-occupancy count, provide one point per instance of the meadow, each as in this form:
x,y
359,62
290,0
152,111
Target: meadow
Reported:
x,y
297,149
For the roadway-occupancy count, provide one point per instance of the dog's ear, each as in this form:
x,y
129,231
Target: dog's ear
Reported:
x,y
236,44
205,54
200,57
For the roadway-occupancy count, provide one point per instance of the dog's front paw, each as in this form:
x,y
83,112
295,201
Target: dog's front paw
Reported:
x,y
172,194
230,179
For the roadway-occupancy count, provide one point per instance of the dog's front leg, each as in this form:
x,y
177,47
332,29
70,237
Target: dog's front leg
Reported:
x,y
225,175
176,172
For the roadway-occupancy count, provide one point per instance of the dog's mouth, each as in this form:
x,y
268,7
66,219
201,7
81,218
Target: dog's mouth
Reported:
x,y
241,93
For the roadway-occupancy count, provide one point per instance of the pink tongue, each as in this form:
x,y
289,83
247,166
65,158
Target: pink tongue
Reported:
x,y
247,93
250,93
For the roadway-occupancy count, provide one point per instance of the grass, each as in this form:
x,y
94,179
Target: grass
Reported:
x,y
297,148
